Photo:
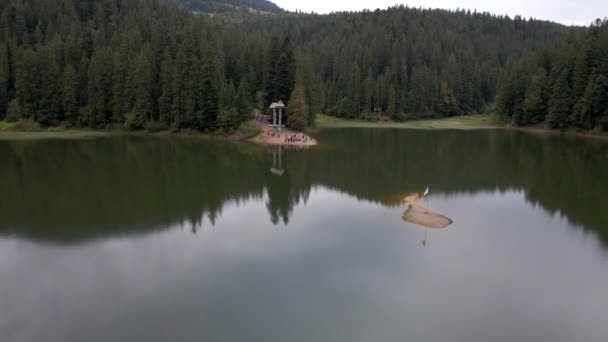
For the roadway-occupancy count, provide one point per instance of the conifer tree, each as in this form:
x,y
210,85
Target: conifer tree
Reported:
x,y
534,106
27,84
560,103
306,73
100,88
143,107
243,105
165,101
285,72
297,110
447,105
272,57
227,121
69,94
4,80
600,101
391,108
210,101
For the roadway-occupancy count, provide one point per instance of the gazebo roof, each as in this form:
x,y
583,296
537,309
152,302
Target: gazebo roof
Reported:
x,y
276,105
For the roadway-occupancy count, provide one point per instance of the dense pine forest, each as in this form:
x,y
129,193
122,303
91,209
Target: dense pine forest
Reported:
x,y
153,65
405,62
566,85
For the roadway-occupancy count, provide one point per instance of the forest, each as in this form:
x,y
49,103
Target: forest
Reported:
x,y
566,85
153,65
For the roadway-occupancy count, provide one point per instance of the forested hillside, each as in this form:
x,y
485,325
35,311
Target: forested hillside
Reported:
x,y
408,62
222,6
149,64
106,63
565,85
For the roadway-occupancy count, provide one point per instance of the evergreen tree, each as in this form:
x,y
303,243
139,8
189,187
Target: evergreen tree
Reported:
x,y
599,101
560,103
69,94
38,90
243,105
306,73
354,92
272,57
143,107
297,110
210,101
4,80
285,72
227,95
100,88
519,94
122,89
391,108
165,100
227,121
534,106
503,105
447,100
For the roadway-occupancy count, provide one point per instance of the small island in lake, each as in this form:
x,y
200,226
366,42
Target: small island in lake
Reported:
x,y
419,215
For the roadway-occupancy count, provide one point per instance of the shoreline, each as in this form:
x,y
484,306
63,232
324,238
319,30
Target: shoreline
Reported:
x,y
465,122
267,137
474,122
570,132
61,133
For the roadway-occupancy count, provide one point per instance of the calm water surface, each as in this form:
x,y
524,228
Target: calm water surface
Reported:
x,y
160,239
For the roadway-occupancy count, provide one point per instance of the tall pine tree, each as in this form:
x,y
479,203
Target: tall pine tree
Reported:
x,y
560,103
297,110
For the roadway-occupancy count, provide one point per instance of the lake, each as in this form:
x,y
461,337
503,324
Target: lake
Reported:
x,y
139,238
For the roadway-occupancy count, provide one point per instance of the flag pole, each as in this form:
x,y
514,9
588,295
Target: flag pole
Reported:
x,y
427,204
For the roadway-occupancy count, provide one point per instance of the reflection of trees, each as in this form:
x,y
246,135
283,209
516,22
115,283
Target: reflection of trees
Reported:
x,y
284,192
563,175
71,191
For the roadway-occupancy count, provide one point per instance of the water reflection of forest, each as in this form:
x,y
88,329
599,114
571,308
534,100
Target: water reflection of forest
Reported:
x,y
75,190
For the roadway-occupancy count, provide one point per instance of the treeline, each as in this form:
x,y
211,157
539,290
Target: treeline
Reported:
x,y
566,86
222,6
149,64
407,62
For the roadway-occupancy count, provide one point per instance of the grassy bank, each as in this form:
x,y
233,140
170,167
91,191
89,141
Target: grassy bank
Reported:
x,y
458,122
28,130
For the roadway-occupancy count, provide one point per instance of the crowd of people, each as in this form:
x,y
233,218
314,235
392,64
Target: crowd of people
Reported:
x,y
287,137
297,138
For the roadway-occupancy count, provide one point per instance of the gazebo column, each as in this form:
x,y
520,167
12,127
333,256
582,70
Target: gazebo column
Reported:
x,y
274,117
280,116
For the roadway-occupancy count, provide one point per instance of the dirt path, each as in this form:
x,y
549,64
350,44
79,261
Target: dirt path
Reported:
x,y
418,214
286,137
